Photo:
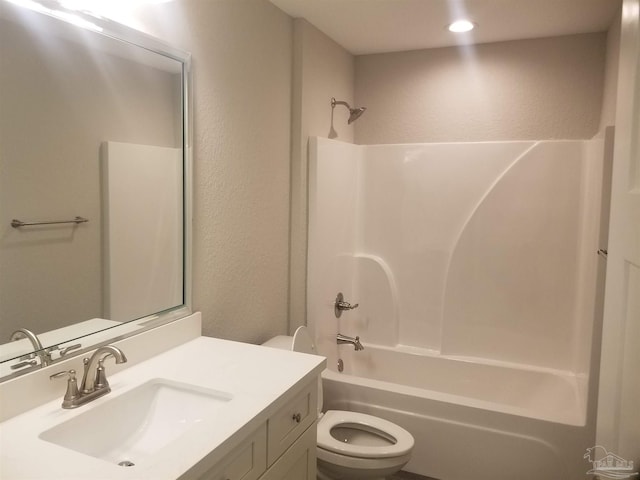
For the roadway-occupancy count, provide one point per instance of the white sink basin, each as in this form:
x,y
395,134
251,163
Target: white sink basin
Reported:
x,y
135,425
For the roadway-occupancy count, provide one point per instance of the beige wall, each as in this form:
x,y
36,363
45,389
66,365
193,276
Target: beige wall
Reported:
x,y
322,69
549,88
242,54
608,116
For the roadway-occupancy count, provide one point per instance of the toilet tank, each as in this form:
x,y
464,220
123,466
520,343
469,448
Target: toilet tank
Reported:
x,y
300,342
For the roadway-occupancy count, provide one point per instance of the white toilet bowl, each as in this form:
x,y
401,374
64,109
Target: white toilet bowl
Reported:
x,y
351,445
356,445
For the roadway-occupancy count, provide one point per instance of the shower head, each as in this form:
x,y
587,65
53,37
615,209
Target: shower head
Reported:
x,y
354,113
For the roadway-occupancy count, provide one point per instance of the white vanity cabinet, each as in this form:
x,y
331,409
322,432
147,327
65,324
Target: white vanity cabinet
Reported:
x,y
259,422
282,448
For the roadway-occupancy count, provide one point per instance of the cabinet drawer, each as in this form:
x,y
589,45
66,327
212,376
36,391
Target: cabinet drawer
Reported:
x,y
247,462
288,423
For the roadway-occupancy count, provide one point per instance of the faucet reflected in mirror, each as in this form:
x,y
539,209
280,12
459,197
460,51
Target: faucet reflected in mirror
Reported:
x,y
94,379
45,354
39,351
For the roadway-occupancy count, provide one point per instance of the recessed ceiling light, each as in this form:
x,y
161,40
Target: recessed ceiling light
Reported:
x,y
461,26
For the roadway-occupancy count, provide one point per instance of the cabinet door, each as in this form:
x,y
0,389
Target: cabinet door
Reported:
x,y
298,462
246,462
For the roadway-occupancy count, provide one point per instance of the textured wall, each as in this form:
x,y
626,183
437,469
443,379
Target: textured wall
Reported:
x,y
608,116
242,53
549,88
322,69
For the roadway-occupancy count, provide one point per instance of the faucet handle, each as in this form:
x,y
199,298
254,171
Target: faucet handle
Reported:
x,y
101,376
25,363
72,394
65,373
65,350
340,305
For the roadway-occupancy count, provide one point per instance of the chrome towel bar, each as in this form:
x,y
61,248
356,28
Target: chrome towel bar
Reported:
x,y
19,223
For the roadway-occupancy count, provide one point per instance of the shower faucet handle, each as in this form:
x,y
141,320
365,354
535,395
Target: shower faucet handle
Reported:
x,y
340,305
345,305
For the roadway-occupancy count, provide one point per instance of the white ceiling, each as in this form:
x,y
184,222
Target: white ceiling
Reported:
x,y
375,26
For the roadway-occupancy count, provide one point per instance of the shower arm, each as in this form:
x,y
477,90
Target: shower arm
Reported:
x,y
335,102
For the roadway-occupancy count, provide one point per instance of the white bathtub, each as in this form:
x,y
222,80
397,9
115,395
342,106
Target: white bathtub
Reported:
x,y
471,421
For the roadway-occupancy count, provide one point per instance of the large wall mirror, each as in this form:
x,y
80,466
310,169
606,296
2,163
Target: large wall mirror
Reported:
x,y
94,169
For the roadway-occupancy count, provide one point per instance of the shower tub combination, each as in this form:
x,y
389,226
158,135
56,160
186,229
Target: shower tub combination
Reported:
x,y
475,269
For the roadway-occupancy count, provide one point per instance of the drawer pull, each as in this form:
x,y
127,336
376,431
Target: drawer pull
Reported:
x,y
297,417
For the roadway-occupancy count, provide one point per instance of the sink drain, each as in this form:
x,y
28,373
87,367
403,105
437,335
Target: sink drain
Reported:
x,y
126,463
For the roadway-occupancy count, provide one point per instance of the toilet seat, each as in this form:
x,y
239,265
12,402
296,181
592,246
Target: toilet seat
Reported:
x,y
366,423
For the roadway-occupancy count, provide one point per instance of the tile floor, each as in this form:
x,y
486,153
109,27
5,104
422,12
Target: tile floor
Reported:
x,y
409,476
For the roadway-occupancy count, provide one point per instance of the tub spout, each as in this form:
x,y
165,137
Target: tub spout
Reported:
x,y
342,339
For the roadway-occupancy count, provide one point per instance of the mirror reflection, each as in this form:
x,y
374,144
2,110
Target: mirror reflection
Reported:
x,y
91,165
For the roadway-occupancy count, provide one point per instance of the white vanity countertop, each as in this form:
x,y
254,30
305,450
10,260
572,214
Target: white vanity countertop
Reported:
x,y
260,379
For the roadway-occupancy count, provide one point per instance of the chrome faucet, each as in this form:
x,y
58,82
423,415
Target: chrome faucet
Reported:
x,y
94,380
39,350
342,339
98,381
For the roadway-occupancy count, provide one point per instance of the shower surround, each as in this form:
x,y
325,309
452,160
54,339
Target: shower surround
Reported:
x,y
475,269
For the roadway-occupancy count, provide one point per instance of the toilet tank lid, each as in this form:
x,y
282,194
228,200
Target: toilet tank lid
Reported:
x,y
302,341
283,342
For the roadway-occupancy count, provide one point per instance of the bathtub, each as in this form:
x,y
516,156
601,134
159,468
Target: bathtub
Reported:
x,y
470,420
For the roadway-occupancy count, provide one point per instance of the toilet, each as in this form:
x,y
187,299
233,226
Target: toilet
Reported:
x,y
351,445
